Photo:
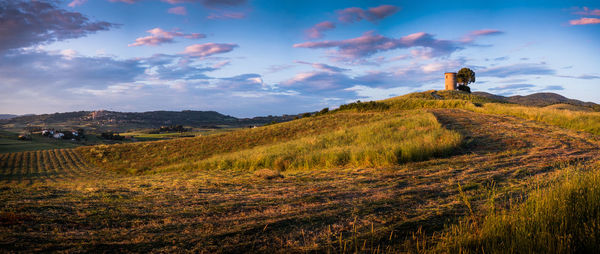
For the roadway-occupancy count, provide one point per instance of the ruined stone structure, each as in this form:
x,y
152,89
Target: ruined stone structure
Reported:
x,y
450,80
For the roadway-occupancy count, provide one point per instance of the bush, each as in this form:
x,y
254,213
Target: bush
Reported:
x,y
464,88
365,106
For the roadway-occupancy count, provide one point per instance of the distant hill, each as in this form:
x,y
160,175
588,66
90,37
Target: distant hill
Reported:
x,y
7,116
121,121
539,99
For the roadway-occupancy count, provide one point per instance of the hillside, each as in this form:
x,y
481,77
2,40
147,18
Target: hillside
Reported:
x,y
539,100
123,121
7,116
438,171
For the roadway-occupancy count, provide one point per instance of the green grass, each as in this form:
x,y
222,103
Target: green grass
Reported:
x,y
9,143
576,120
400,137
332,140
563,218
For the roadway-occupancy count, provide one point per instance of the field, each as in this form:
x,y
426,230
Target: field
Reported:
x,y
10,143
178,196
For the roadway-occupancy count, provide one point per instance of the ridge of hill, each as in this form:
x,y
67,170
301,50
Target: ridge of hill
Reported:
x,y
7,116
539,100
121,121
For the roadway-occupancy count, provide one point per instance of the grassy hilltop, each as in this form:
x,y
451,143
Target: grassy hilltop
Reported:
x,y
437,171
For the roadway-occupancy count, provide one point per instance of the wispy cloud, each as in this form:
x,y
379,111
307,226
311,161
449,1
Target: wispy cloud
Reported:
x,y
226,15
317,30
76,3
355,14
584,21
159,36
208,49
207,3
516,70
586,11
179,10
324,67
478,33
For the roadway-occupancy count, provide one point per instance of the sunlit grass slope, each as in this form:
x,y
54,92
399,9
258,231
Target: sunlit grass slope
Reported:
x,y
570,119
344,138
564,218
398,137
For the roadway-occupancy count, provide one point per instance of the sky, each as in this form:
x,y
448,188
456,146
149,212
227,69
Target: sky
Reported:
x,y
262,57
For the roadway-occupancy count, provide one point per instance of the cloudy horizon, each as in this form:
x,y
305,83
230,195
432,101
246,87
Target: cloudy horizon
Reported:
x,y
250,57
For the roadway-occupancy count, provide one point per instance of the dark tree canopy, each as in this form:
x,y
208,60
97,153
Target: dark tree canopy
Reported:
x,y
465,76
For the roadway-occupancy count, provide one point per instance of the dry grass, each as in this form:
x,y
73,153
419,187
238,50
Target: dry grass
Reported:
x,y
344,210
562,218
400,137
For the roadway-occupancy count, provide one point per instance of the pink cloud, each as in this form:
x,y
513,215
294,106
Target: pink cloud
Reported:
x,y
584,21
323,67
207,3
588,11
208,49
355,14
477,33
371,43
125,1
226,15
179,10
159,36
75,3
317,30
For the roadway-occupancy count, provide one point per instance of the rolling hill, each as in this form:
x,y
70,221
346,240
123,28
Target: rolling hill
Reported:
x,y
123,121
430,172
539,100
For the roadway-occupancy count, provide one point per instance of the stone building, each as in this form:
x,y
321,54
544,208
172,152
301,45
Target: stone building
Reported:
x,y
450,80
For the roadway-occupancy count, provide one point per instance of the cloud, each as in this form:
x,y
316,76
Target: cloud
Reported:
x,y
159,36
207,3
45,71
470,37
243,82
317,30
319,81
179,10
355,14
554,88
587,11
324,67
371,43
75,3
516,70
29,23
125,1
208,49
227,15
512,87
586,76
584,21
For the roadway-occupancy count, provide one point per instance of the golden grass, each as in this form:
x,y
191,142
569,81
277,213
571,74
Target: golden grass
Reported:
x,y
576,120
398,138
358,139
563,218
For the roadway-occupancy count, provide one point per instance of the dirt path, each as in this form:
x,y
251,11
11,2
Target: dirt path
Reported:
x,y
321,210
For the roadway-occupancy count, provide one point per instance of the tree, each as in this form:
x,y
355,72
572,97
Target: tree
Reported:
x,y
464,77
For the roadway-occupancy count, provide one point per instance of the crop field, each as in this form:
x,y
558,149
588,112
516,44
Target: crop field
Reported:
x,y
174,196
41,166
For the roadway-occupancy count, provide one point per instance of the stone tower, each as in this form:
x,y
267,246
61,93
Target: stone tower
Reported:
x,y
450,80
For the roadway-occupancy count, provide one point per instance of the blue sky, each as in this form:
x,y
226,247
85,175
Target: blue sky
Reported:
x,y
250,57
